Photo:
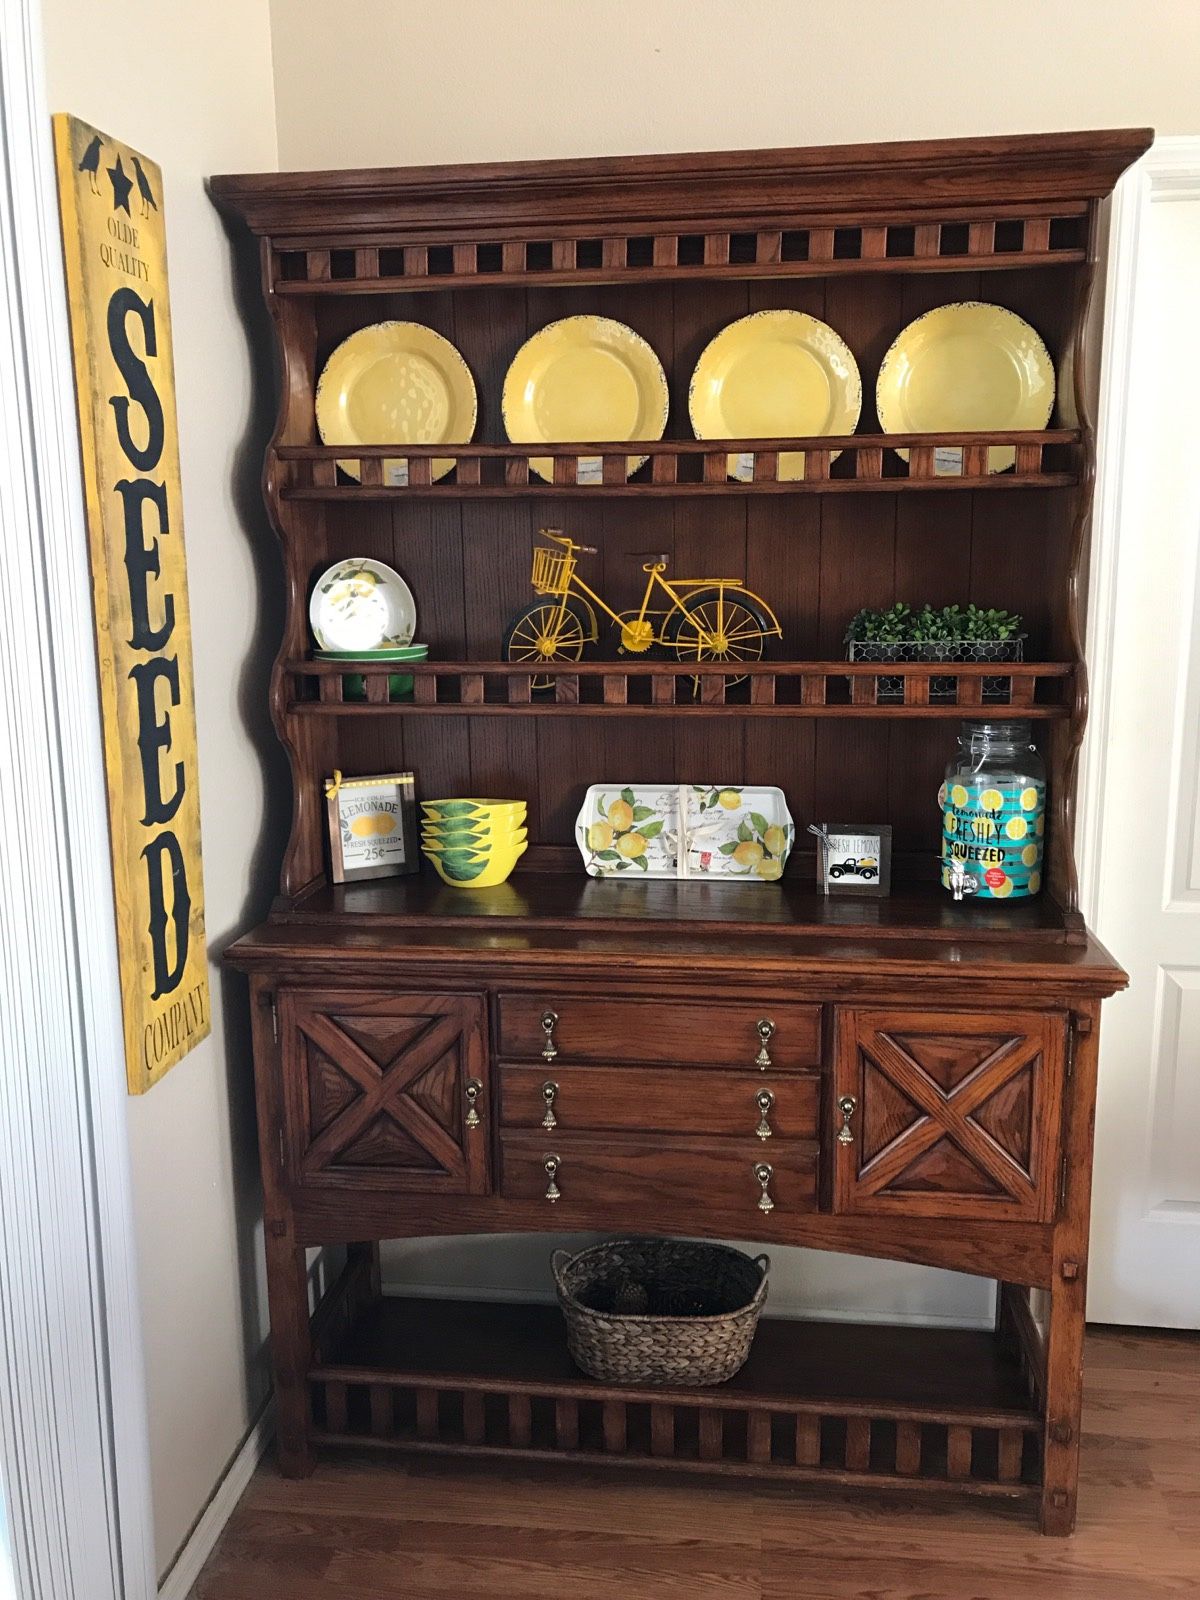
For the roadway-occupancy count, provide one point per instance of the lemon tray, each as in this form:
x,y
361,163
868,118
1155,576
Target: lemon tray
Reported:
x,y
731,831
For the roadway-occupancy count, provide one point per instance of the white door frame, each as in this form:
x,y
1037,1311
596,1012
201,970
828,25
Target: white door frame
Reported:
x,y
1169,172
74,1455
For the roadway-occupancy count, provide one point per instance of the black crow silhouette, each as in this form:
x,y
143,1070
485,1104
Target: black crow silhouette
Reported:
x,y
89,162
144,189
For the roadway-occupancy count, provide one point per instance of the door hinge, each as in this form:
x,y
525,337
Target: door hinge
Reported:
x,y
1069,1067
274,1019
281,1150
1062,1184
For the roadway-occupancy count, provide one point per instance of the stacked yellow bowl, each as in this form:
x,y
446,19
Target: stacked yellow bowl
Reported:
x,y
473,844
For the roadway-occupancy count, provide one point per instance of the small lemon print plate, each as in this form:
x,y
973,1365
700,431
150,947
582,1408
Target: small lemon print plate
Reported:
x,y
362,605
396,383
966,368
580,380
774,375
731,831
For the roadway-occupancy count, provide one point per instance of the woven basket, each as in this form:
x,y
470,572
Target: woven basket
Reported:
x,y
660,1311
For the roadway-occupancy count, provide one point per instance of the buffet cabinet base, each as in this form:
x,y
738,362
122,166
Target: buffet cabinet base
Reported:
x,y
448,1101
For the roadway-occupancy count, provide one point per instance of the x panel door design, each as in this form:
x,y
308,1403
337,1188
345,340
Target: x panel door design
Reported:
x,y
386,1092
953,1114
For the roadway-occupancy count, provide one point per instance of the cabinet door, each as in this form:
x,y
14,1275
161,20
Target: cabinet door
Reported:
x,y
954,1114
379,1091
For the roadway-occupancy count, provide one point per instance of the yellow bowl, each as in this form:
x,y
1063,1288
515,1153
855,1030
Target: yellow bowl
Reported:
x,y
478,871
469,832
512,811
475,847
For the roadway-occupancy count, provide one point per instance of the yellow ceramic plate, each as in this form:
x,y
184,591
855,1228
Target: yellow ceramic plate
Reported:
x,y
774,375
584,379
396,383
969,367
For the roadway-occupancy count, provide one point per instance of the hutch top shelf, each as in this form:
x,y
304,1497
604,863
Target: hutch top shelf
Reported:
x,y
866,237
927,205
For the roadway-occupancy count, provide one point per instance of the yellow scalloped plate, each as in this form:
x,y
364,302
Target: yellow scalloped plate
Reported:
x,y
396,383
967,367
774,375
584,379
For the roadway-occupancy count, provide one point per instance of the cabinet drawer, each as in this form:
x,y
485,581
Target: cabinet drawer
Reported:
x,y
665,1177
590,1099
688,1032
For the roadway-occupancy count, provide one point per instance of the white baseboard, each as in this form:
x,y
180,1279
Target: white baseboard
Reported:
x,y
824,1313
200,1543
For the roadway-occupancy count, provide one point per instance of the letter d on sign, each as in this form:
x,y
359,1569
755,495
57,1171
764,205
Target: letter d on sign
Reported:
x,y
163,855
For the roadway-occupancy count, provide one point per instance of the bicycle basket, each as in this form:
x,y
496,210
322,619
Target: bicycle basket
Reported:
x,y
551,570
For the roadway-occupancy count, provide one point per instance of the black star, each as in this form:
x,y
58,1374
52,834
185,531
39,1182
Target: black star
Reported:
x,y
121,186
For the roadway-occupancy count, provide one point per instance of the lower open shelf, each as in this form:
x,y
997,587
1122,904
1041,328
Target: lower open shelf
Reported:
x,y
849,1403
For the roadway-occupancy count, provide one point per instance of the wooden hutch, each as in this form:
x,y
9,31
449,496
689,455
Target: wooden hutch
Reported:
x,y
966,1035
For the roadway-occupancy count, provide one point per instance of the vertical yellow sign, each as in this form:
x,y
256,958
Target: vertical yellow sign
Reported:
x,y
114,242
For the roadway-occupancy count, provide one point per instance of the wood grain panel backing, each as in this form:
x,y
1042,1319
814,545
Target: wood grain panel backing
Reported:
x,y
816,560
952,1116
375,1092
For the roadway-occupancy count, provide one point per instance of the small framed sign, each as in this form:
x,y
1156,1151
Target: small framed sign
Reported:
x,y
372,826
853,857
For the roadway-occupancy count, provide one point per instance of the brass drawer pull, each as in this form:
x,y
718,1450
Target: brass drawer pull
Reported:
x,y
764,1172
847,1105
766,1030
764,1100
549,1023
551,1165
549,1090
473,1091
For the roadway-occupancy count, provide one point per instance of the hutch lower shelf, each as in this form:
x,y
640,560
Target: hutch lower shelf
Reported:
x,y
874,1406
433,1063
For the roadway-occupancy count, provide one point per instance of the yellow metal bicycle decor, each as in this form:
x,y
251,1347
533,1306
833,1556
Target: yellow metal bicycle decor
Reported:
x,y
702,619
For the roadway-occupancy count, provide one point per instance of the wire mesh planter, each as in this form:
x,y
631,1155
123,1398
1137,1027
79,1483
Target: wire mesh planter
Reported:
x,y
942,689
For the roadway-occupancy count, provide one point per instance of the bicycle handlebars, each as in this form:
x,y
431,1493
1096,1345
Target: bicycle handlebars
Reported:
x,y
567,541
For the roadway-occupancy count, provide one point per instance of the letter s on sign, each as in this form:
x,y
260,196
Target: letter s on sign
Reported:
x,y
137,378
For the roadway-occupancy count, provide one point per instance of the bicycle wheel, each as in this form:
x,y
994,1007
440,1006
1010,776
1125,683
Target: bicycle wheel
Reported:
x,y
541,632
726,625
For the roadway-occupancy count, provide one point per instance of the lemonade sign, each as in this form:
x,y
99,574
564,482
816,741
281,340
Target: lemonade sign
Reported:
x,y
996,832
372,830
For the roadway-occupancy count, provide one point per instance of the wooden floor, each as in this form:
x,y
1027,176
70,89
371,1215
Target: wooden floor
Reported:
x,y
365,1528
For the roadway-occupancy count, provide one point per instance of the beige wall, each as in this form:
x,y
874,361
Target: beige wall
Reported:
x,y
192,87
386,83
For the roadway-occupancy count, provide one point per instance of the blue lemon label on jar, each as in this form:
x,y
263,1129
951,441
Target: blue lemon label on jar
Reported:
x,y
996,831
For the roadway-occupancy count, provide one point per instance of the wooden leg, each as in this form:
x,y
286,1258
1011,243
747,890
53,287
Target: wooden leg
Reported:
x,y
1063,1395
287,1294
368,1253
1006,1336
1063,1404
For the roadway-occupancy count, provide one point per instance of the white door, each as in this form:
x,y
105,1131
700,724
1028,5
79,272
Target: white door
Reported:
x,y
1140,835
